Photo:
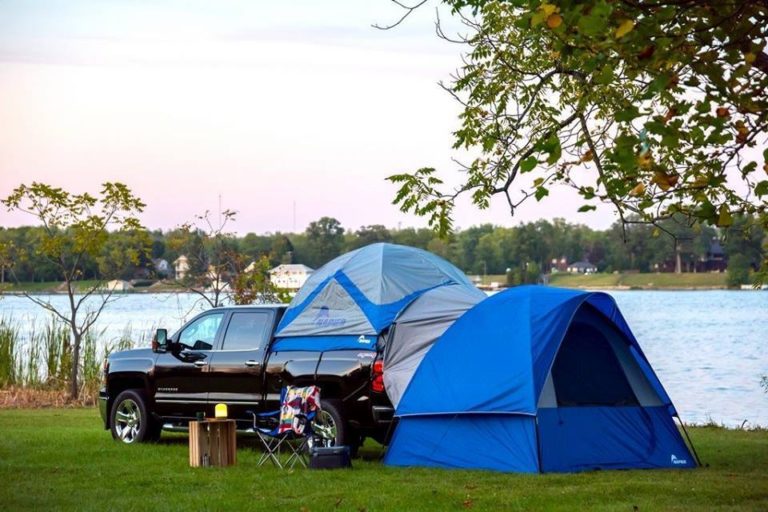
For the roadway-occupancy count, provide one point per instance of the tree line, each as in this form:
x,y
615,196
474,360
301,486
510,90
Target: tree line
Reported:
x,y
523,251
85,239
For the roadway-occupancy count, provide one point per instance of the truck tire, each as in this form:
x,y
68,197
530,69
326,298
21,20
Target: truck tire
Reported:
x,y
329,425
130,421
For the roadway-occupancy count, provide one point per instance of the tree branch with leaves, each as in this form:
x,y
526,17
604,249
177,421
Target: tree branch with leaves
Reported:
x,y
75,230
218,271
658,108
208,247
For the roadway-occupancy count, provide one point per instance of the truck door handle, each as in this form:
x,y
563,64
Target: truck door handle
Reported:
x,y
252,362
200,364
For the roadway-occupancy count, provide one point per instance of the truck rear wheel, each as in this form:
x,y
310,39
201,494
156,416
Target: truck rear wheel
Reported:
x,y
329,425
331,428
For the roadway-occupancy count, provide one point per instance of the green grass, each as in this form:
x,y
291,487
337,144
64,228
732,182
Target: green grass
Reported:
x,y
44,286
647,281
53,459
665,280
34,287
580,280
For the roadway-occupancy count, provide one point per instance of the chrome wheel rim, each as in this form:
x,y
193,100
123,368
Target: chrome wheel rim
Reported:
x,y
325,428
127,421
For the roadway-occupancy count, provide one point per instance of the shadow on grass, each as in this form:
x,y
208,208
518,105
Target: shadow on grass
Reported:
x,y
371,451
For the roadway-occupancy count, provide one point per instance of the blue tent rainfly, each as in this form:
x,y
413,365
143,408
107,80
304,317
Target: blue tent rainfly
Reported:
x,y
553,381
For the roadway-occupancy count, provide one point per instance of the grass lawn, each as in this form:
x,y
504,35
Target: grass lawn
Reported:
x,y
649,280
44,286
34,287
666,280
586,281
52,459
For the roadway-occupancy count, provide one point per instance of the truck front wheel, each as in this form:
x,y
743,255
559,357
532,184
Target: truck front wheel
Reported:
x,y
130,421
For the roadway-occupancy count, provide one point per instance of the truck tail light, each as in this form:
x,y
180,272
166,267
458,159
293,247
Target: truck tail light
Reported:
x,y
377,383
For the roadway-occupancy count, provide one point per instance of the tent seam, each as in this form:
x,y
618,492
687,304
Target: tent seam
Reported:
x,y
461,413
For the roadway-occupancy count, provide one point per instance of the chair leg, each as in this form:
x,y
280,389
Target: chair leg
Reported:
x,y
299,455
271,452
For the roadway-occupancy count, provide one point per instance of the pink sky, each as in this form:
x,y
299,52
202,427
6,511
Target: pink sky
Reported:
x,y
266,105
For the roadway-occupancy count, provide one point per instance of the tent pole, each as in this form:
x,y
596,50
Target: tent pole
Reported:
x,y
390,430
538,441
688,438
388,435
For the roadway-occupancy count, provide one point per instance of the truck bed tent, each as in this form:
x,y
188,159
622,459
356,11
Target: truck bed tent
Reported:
x,y
554,381
348,302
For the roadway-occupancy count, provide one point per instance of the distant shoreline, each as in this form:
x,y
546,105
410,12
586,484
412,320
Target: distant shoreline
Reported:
x,y
598,281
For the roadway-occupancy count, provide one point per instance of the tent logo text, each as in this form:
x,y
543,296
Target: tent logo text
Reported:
x,y
674,460
323,319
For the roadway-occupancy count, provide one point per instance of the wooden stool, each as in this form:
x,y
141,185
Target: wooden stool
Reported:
x,y
212,442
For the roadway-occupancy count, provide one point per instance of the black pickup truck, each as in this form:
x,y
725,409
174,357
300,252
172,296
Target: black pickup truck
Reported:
x,y
224,356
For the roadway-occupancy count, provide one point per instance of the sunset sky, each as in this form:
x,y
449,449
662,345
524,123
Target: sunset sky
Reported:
x,y
266,104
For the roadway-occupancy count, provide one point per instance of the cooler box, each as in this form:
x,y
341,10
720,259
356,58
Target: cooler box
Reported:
x,y
331,457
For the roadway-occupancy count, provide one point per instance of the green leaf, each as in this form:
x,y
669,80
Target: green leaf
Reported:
x,y
749,169
670,141
587,207
656,127
555,151
596,22
528,164
624,152
761,189
541,193
606,76
591,26
628,114
660,83
703,107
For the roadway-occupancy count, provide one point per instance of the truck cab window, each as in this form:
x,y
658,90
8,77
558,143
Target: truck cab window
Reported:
x,y
201,334
247,330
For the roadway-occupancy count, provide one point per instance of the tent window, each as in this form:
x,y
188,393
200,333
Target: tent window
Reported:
x,y
586,371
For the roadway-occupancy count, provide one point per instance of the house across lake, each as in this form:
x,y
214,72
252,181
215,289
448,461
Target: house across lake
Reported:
x,y
290,276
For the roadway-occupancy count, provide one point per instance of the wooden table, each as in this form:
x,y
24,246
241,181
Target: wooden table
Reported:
x,y
212,442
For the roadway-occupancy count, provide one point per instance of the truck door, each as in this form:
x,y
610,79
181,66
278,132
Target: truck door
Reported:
x,y
235,374
181,375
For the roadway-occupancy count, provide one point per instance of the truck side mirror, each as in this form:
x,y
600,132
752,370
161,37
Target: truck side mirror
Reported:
x,y
160,341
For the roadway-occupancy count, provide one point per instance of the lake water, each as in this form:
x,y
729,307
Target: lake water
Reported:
x,y
707,347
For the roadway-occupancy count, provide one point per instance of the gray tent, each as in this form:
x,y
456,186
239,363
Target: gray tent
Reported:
x,y
417,328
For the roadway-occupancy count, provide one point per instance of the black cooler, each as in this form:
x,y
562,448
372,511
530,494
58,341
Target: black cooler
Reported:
x,y
331,457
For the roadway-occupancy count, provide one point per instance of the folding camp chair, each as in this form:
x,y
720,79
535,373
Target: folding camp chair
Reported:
x,y
298,408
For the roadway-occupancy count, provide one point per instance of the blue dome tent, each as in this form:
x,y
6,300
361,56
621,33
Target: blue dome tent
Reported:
x,y
553,381
348,302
